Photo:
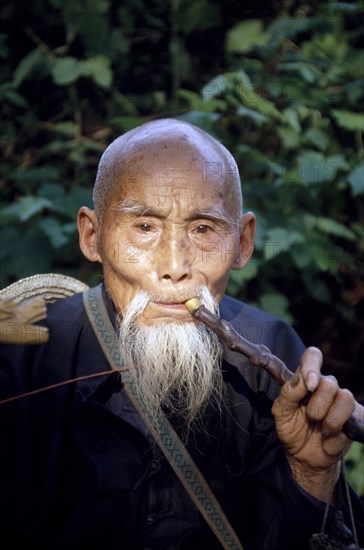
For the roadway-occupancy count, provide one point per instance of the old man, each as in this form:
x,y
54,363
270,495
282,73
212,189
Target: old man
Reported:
x,y
80,466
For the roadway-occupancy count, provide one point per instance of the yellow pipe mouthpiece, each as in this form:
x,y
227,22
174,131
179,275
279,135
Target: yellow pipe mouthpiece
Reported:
x,y
193,304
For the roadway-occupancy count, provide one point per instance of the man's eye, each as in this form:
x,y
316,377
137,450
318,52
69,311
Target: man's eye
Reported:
x,y
202,229
145,227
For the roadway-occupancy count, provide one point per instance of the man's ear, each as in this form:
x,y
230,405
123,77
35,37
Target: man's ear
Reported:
x,y
247,234
88,230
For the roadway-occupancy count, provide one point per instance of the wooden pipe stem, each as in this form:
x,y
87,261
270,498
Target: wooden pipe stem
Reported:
x,y
260,356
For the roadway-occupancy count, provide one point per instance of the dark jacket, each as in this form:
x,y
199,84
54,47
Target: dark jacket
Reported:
x,y
78,468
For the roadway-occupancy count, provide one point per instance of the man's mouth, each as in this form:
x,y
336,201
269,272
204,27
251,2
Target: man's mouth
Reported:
x,y
172,310
169,304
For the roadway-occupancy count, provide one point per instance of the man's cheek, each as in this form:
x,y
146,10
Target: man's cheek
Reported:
x,y
209,253
224,253
123,254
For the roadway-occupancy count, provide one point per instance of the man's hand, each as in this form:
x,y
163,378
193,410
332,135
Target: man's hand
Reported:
x,y
309,415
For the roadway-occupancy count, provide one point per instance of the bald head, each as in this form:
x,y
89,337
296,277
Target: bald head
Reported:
x,y
179,149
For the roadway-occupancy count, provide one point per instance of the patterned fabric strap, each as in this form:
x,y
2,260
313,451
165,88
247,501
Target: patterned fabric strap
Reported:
x,y
162,431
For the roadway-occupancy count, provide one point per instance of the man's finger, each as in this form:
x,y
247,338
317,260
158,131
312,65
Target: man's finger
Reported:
x,y
339,412
322,400
311,362
292,393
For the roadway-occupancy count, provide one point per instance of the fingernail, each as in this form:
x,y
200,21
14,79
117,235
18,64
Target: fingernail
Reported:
x,y
312,381
294,380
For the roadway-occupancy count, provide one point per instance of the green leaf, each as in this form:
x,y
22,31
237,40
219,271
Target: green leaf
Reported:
x,y
197,103
204,120
69,205
31,254
335,8
235,84
259,103
354,463
125,123
277,304
279,240
35,174
358,228
291,117
256,117
289,26
356,180
239,79
56,146
314,167
26,207
318,138
27,65
215,87
332,227
310,167
67,128
54,231
10,95
289,137
349,120
70,228
337,162
327,226
244,36
98,68
320,255
255,161
86,19
303,69
67,70
51,191
199,15
77,8
238,278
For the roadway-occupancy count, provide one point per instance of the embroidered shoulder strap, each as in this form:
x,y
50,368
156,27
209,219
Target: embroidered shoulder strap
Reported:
x,y
162,431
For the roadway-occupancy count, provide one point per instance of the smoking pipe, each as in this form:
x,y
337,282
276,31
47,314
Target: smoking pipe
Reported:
x,y
260,356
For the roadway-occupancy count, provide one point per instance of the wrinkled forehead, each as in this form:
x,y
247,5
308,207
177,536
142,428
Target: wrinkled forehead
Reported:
x,y
175,163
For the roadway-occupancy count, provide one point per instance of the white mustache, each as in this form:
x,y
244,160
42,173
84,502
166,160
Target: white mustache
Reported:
x,y
145,297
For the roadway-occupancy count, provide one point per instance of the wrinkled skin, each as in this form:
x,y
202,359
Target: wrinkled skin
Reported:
x,y
169,228
312,432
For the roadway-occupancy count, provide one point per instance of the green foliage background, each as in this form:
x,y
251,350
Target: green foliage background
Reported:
x,y
280,84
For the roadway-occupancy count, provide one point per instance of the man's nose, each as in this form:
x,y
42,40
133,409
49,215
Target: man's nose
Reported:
x,y
175,258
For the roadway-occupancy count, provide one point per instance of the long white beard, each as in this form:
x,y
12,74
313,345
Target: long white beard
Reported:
x,y
176,366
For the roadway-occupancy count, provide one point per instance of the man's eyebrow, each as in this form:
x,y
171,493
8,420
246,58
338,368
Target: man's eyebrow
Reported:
x,y
215,214
139,209
134,207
